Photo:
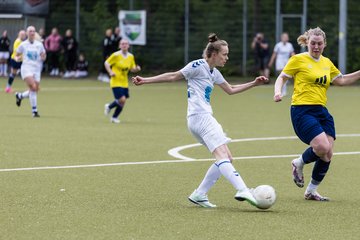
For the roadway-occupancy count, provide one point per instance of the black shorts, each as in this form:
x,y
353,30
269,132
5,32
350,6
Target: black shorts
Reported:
x,y
14,64
119,92
309,121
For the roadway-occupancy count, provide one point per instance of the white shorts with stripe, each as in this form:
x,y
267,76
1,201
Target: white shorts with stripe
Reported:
x,y
207,131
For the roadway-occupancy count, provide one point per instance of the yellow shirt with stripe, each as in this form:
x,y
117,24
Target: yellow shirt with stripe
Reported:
x,y
311,77
15,46
121,66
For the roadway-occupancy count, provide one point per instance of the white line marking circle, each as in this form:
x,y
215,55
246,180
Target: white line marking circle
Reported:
x,y
175,152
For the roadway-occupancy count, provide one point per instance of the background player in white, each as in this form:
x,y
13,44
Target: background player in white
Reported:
x,y
33,54
283,50
201,75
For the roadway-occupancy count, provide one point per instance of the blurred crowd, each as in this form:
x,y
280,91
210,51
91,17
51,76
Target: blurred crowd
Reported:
x,y
63,56
64,59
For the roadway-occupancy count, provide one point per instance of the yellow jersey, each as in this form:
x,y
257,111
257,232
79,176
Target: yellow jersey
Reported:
x,y
15,46
311,77
121,66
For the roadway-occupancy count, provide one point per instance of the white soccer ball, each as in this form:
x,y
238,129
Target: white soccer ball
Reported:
x,y
265,196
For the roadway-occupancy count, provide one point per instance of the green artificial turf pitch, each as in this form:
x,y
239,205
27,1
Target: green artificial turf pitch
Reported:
x,y
149,201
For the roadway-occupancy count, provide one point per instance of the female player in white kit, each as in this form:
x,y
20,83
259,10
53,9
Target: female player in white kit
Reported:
x,y
201,75
33,54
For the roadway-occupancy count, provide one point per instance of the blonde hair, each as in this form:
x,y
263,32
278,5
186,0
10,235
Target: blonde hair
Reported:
x,y
214,45
304,38
38,37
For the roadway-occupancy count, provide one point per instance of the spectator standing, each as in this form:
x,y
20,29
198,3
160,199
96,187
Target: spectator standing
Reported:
x,y
70,47
4,53
262,54
107,46
53,47
81,67
283,50
116,38
42,35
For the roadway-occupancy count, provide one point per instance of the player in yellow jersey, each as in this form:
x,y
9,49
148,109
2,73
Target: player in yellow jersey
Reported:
x,y
14,62
118,66
313,124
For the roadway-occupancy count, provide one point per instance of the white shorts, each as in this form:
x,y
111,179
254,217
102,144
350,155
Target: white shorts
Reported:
x,y
207,131
4,55
28,72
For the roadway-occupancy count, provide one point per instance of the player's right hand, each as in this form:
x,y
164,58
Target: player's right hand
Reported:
x,y
138,80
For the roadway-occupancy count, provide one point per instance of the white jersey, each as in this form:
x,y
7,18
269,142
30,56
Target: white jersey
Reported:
x,y
283,53
201,82
31,54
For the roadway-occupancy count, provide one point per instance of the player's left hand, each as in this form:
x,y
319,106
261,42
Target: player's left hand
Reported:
x,y
277,97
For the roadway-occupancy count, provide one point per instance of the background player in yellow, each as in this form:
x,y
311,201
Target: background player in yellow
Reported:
x,y
313,124
118,66
15,63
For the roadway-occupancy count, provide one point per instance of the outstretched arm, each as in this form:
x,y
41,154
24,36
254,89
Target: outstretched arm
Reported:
x,y
165,77
280,81
347,79
233,89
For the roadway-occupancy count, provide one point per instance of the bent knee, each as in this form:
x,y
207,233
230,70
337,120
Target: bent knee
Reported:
x,y
323,149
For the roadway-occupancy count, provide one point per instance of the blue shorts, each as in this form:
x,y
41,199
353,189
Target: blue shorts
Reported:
x,y
14,64
311,120
119,92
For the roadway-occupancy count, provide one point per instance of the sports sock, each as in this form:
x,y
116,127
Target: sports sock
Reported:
x,y
229,172
117,111
309,156
299,162
115,103
319,171
11,79
25,94
33,100
1,68
5,69
312,187
211,176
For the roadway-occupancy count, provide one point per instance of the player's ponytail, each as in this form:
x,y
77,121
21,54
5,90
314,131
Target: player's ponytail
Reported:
x,y
214,45
212,37
304,38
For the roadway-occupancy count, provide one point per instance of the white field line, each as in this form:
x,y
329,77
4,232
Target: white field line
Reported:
x,y
96,88
175,152
184,160
158,162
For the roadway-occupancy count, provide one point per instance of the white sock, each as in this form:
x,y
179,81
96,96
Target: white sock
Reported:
x,y
5,68
25,94
311,187
211,176
33,100
1,68
299,161
229,172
